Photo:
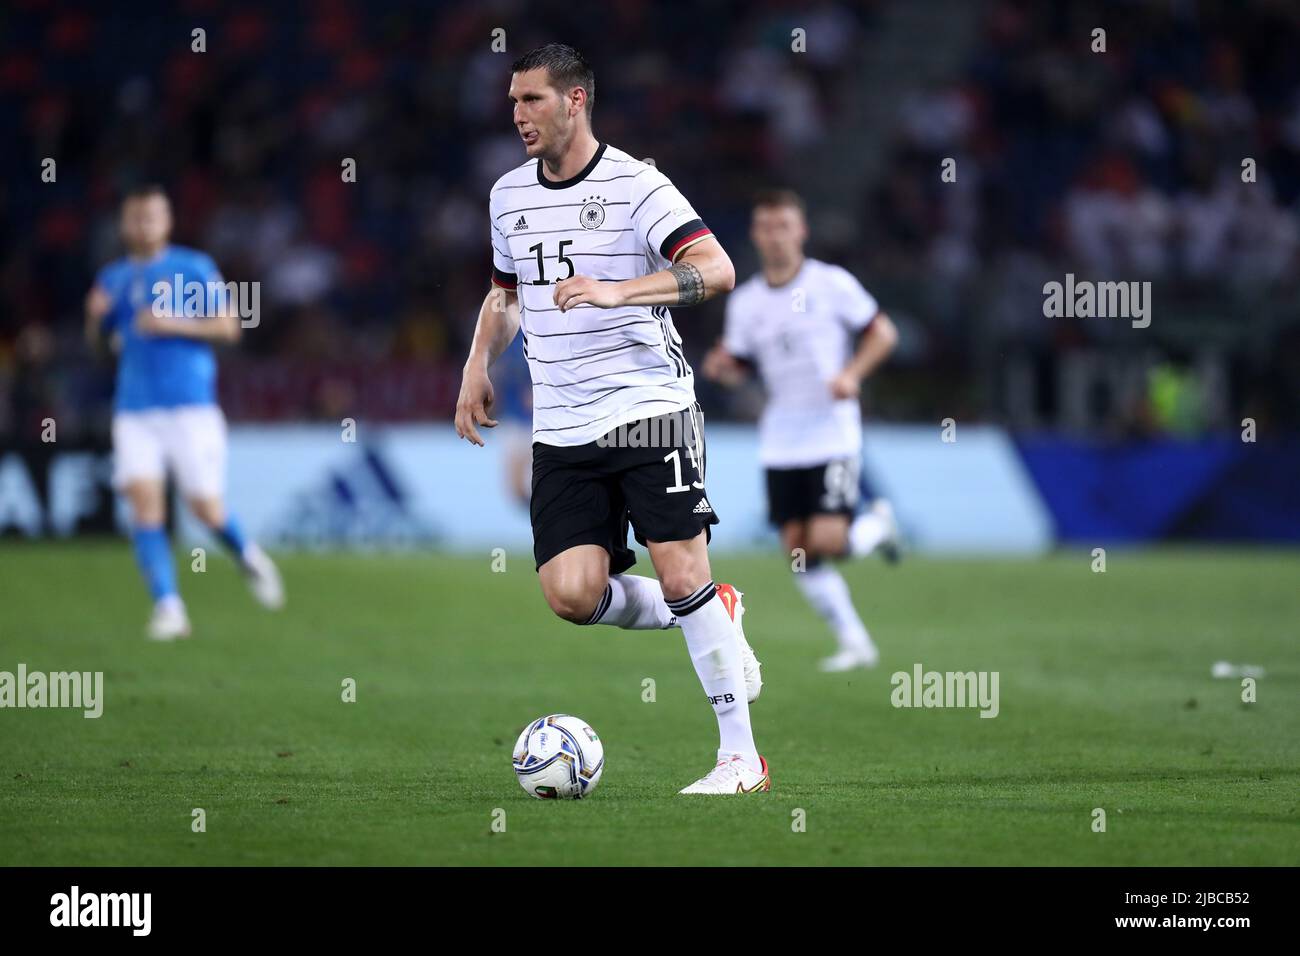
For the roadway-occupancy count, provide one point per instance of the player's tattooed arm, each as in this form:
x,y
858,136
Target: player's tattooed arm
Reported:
x,y
690,284
700,272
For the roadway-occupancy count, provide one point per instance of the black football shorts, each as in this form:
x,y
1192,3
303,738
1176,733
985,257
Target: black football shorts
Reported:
x,y
648,473
795,494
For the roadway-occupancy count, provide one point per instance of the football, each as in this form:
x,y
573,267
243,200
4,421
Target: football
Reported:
x,y
558,757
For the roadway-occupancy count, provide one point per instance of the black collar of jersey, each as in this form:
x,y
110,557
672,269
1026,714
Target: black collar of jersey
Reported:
x,y
572,180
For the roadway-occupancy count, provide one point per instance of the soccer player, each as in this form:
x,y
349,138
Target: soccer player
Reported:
x,y
513,395
165,410
590,248
795,323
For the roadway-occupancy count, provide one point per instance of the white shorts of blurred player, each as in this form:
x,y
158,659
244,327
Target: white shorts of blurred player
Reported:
x,y
190,440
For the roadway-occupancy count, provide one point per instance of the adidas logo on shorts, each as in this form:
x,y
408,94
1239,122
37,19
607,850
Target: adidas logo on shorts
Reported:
x,y
703,507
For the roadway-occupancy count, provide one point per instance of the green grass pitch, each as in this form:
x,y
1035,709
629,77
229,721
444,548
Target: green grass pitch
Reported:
x,y
1106,701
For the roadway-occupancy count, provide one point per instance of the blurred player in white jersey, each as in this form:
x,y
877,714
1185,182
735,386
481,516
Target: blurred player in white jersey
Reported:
x,y
590,247
796,324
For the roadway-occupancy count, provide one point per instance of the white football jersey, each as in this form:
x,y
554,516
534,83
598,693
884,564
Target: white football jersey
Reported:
x,y
593,369
800,336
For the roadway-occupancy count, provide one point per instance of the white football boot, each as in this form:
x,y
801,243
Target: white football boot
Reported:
x,y
732,776
731,600
890,547
263,578
169,621
851,659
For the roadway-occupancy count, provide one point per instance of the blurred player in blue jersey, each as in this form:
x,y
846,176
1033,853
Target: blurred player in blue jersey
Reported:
x,y
165,411
513,408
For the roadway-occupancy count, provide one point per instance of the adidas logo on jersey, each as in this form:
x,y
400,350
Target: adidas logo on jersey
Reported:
x,y
521,225
703,507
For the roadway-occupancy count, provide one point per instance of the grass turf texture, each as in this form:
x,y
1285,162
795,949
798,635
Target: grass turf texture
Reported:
x,y
1106,701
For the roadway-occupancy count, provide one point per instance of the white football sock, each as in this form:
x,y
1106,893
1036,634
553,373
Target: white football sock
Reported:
x,y
715,652
633,602
828,593
865,533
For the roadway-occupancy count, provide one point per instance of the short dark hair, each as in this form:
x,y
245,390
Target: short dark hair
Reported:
x,y
770,198
566,67
144,191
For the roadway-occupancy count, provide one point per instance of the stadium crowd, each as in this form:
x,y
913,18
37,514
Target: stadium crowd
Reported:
x,y
1126,162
